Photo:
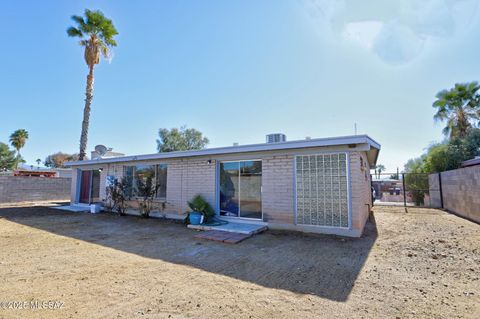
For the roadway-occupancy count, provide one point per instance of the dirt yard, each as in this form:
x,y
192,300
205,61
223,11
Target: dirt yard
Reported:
x,y
421,264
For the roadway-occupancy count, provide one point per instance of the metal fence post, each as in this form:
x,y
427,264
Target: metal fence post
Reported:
x,y
440,188
404,191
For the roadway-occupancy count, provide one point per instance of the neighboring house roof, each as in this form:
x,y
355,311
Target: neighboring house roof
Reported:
x,y
386,180
373,150
34,173
471,162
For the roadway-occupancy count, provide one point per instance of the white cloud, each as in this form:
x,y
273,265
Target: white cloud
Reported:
x,y
364,33
397,43
395,31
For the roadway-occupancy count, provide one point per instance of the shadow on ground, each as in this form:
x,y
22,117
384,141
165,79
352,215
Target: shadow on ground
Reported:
x,y
325,266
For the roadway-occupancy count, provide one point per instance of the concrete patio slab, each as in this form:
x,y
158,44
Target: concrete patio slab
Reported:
x,y
76,209
241,228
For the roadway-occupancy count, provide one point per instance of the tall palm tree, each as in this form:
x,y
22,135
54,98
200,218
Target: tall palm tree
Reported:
x,y
459,107
18,140
96,33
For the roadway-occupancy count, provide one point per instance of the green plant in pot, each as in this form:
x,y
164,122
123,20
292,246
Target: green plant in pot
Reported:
x,y
200,208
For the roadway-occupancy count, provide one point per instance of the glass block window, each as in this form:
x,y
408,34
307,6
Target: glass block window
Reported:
x,y
322,190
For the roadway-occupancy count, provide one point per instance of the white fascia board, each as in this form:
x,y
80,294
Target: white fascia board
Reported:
x,y
319,142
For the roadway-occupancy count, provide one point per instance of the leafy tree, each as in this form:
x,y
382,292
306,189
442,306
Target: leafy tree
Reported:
x,y
438,158
416,182
471,143
18,140
8,161
415,165
459,107
394,176
182,139
57,160
97,37
448,155
444,157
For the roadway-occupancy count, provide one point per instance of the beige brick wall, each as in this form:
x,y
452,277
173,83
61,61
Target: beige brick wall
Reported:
x,y
190,176
360,189
278,189
187,178
461,191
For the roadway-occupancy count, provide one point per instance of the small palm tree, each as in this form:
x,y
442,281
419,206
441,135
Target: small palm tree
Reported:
x,y
96,33
38,162
380,168
459,106
18,140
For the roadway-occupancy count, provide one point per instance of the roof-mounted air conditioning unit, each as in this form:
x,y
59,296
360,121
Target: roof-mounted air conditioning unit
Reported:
x,y
276,138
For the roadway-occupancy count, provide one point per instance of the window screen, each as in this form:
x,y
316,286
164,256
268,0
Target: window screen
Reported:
x,y
322,190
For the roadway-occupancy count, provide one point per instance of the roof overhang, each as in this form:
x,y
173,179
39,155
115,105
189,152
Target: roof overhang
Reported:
x,y
372,150
471,162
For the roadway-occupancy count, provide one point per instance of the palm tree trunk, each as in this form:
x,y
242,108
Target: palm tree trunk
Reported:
x,y
86,114
17,160
462,124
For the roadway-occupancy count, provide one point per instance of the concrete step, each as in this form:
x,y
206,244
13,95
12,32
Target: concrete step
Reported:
x,y
223,236
74,208
240,228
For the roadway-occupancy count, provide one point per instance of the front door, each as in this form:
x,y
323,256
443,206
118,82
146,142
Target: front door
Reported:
x,y
241,189
89,186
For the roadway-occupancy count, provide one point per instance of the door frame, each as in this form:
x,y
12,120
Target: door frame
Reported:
x,y
217,191
90,187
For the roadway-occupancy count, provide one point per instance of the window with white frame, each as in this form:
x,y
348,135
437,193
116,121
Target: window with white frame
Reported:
x,y
322,190
157,172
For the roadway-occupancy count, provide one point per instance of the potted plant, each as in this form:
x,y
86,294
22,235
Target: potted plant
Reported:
x,y
201,212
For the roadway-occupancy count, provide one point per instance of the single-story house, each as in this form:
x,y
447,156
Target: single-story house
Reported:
x,y
317,185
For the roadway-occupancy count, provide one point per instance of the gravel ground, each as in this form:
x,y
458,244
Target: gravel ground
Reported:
x,y
420,264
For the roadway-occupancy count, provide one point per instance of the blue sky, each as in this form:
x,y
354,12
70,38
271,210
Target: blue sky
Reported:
x,y
237,70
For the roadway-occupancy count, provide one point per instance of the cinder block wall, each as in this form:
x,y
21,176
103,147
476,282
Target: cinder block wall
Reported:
x,y
461,191
27,189
434,191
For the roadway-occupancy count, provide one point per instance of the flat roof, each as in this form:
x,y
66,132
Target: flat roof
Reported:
x,y
306,143
471,162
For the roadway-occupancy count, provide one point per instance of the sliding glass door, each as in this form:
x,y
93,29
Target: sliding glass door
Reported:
x,y
241,189
251,189
89,187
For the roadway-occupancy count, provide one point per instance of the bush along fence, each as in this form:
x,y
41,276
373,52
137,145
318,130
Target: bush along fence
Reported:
x,y
403,189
